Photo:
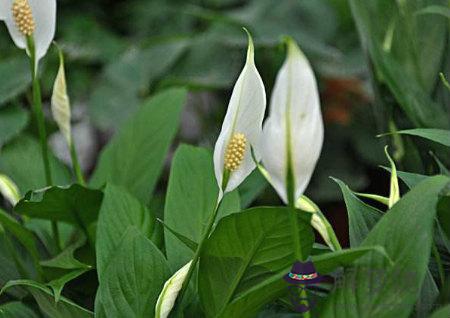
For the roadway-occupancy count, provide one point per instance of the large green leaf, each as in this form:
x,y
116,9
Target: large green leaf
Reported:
x,y
75,204
191,198
12,121
247,249
14,78
21,160
374,288
437,135
118,212
133,278
16,309
135,156
361,216
65,308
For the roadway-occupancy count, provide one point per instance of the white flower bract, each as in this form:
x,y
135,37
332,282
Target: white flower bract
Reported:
x,y
294,130
44,16
244,117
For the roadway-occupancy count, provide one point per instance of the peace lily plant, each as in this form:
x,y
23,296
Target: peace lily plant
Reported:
x,y
213,254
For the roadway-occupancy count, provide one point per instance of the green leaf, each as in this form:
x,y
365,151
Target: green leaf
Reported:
x,y
12,121
191,198
118,212
135,156
372,287
16,309
361,216
133,278
409,178
58,284
183,239
24,236
66,259
247,249
437,135
14,78
21,160
75,205
65,308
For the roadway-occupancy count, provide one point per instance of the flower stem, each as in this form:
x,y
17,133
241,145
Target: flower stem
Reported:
x,y
205,235
40,120
76,164
37,108
295,228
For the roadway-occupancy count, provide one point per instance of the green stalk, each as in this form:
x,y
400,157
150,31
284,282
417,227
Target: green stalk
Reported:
x,y
76,164
37,108
205,235
290,185
294,227
293,215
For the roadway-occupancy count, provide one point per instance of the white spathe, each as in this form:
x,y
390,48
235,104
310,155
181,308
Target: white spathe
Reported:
x,y
44,15
244,115
169,293
295,123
